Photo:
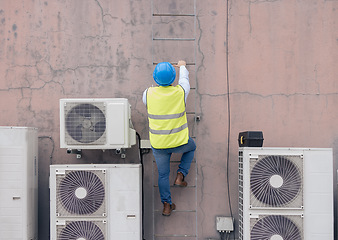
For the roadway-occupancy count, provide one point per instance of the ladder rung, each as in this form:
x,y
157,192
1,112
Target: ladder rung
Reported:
x,y
177,161
174,39
155,63
173,186
175,235
156,210
173,15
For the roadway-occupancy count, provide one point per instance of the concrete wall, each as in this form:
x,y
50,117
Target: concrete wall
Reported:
x,y
282,76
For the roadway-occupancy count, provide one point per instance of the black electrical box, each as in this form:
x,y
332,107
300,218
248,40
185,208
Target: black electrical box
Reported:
x,y
250,139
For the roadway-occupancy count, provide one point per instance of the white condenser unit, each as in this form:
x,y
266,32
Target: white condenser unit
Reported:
x,y
18,183
100,123
285,193
96,202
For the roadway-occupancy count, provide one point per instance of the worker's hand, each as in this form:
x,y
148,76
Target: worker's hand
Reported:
x,y
180,63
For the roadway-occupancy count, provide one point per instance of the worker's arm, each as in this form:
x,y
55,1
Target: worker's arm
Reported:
x,y
184,78
184,81
144,97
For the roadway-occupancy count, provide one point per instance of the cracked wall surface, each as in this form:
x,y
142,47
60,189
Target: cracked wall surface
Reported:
x,y
281,66
282,78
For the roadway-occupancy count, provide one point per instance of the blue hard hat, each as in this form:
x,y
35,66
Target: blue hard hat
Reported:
x,y
164,74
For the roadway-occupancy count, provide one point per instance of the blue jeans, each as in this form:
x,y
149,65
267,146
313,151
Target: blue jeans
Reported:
x,y
162,157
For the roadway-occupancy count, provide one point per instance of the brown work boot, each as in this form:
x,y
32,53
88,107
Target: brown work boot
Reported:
x,y
179,181
167,208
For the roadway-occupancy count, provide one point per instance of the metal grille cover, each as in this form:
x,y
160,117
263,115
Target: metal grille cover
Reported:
x,y
85,123
277,227
81,193
88,230
276,181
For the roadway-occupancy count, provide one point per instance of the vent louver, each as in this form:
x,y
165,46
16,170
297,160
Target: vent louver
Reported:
x,y
275,227
81,230
80,193
275,181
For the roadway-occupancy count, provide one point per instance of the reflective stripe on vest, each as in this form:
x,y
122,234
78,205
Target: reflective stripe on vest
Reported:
x,y
167,132
169,116
168,125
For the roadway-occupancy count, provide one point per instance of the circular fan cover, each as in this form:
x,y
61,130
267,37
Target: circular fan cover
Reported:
x,y
275,227
275,180
81,192
85,123
83,230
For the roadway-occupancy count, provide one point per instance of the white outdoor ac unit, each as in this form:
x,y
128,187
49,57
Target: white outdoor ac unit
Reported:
x,y
96,124
285,193
96,202
18,183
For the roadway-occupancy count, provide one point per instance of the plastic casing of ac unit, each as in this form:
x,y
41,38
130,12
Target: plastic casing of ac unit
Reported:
x,y
122,218
18,183
118,132
316,214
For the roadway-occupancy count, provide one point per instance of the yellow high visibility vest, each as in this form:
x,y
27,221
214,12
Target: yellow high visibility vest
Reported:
x,y
168,126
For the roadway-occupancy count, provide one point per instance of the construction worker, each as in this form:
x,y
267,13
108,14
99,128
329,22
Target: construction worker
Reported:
x,y
168,127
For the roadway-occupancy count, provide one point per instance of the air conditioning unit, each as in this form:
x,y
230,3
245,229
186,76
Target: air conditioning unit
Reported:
x,y
18,183
285,193
98,202
96,124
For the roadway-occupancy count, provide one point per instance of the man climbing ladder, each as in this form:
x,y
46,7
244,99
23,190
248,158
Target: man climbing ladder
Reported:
x,y
168,127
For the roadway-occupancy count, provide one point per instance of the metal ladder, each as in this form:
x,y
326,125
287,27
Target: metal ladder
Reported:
x,y
173,39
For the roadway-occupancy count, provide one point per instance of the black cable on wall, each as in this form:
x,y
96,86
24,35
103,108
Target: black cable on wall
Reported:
x,y
228,105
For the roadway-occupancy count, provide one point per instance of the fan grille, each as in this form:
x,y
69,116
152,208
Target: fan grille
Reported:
x,y
87,230
277,227
85,123
276,181
81,193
